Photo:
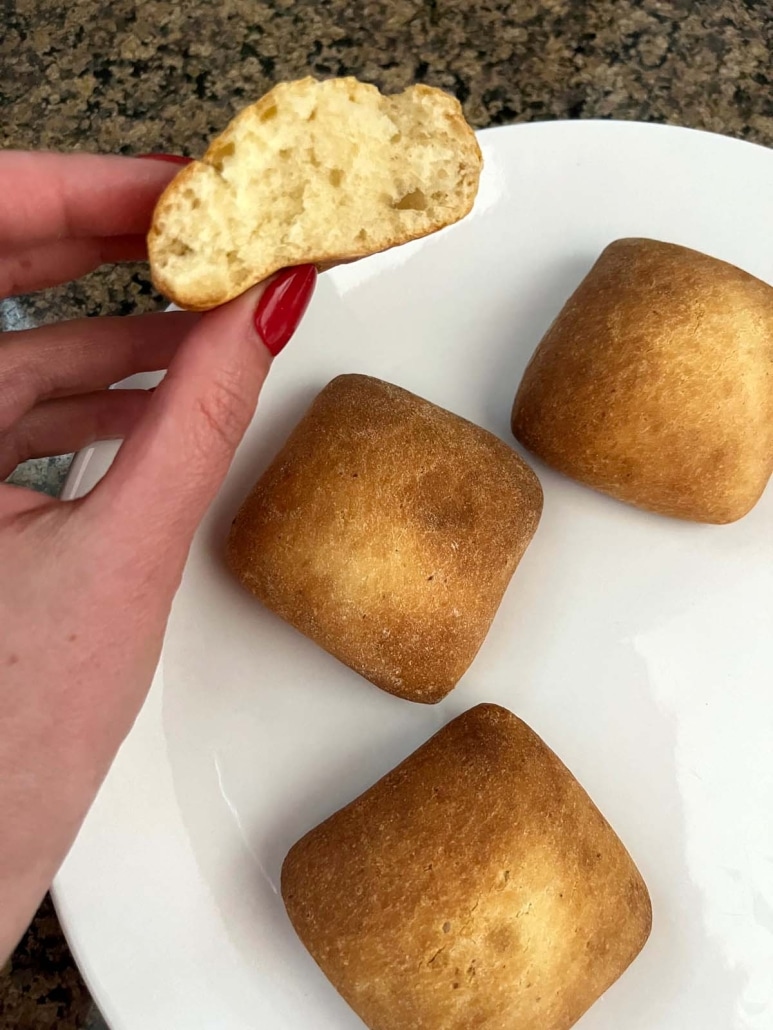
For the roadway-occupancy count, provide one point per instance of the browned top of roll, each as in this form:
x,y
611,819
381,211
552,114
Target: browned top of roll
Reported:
x,y
655,383
387,530
476,885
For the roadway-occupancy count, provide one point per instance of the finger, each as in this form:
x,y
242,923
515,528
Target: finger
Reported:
x,y
18,501
43,265
170,468
83,355
66,425
58,196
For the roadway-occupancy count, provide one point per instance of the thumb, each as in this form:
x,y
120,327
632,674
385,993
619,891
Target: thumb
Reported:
x,y
170,468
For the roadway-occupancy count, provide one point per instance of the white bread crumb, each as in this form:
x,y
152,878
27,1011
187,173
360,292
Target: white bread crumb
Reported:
x,y
313,173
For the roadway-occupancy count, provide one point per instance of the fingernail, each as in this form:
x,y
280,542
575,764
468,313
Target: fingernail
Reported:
x,y
176,159
282,306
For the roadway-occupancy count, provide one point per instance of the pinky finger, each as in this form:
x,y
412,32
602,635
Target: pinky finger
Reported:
x,y
70,423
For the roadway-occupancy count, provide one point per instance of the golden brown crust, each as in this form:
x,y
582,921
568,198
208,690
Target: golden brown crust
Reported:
x,y
188,301
195,299
387,530
476,885
654,383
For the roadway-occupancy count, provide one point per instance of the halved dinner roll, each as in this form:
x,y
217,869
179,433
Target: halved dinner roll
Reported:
x,y
476,885
313,173
655,383
387,529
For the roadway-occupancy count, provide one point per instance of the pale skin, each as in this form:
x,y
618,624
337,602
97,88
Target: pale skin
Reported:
x,y
86,586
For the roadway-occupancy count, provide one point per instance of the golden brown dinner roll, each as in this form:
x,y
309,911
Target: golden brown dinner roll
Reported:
x,y
655,383
387,529
314,172
476,885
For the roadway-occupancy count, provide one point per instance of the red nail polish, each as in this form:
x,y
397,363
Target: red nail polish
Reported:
x,y
176,159
282,306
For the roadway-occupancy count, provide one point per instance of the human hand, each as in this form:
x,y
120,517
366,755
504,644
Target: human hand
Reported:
x,y
86,586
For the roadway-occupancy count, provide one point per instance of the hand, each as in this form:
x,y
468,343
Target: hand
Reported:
x,y
86,586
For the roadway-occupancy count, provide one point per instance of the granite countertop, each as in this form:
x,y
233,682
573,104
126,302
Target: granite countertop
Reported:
x,y
134,76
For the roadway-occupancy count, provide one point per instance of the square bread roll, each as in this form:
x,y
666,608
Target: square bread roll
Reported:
x,y
387,530
476,885
654,384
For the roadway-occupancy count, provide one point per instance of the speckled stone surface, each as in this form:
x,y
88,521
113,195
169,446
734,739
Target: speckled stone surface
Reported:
x,y
138,76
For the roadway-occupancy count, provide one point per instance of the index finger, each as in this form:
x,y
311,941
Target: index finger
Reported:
x,y
46,196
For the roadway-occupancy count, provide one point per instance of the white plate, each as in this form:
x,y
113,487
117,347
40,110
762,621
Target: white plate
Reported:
x,y
639,647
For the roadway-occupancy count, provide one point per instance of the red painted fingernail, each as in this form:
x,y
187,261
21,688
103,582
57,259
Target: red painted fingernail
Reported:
x,y
176,159
282,306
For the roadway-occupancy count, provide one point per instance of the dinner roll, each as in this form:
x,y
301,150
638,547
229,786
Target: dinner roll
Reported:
x,y
387,529
655,383
314,173
476,885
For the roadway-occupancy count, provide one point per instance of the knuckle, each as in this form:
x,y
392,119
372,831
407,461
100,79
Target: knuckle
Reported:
x,y
18,387
11,277
223,413
10,455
